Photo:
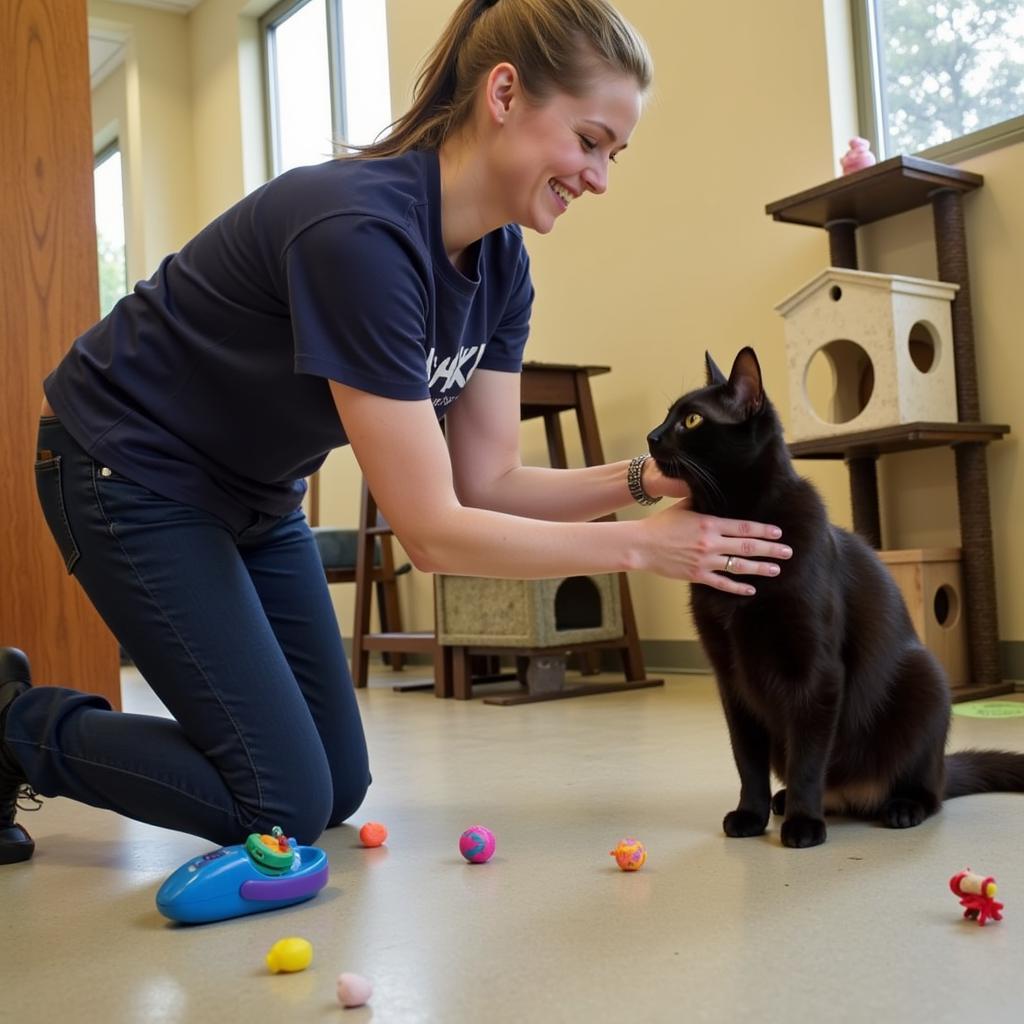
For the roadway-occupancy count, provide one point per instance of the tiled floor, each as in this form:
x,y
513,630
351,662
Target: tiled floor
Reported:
x,y
863,929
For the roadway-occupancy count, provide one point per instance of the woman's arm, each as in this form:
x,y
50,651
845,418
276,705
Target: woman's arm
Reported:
x,y
482,429
402,453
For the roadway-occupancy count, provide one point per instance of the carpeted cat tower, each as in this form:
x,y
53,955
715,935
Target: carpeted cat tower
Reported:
x,y
866,351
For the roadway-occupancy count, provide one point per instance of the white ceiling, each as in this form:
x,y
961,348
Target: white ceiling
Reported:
x,y
106,47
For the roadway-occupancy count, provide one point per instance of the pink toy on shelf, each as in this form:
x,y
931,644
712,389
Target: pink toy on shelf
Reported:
x,y
977,895
857,157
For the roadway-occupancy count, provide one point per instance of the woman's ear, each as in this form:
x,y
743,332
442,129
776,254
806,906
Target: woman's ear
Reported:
x,y
501,88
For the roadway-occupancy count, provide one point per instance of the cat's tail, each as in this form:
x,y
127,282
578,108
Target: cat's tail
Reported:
x,y
984,771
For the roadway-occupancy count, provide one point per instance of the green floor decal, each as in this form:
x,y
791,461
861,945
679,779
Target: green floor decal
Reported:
x,y
990,709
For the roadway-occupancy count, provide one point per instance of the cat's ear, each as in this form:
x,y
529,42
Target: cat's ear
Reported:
x,y
745,380
715,375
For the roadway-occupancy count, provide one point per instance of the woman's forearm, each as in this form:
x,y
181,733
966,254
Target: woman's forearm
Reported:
x,y
570,495
561,495
481,542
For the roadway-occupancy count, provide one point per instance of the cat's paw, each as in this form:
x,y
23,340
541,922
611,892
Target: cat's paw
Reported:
x,y
779,803
903,813
740,824
800,831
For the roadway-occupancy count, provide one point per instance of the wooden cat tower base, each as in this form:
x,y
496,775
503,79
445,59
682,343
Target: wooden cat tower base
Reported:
x,y
932,585
841,206
540,622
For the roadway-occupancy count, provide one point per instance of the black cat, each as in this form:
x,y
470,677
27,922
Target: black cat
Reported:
x,y
822,677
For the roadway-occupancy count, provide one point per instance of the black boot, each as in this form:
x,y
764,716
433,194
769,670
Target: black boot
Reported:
x,y
15,842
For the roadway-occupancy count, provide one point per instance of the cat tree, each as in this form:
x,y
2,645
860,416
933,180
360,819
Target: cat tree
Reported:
x,y
840,207
890,342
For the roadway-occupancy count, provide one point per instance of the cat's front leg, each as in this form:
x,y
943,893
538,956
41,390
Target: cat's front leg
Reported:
x,y
808,746
750,745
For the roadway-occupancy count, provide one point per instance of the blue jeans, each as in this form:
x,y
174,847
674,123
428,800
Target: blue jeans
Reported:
x,y
237,636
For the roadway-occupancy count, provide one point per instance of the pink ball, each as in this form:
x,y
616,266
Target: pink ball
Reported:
x,y
354,989
476,844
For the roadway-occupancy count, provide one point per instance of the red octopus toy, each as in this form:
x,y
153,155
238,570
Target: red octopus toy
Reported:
x,y
977,895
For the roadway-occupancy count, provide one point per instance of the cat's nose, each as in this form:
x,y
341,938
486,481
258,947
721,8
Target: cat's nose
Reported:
x,y
654,440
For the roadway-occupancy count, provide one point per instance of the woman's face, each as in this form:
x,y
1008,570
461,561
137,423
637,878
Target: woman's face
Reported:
x,y
550,155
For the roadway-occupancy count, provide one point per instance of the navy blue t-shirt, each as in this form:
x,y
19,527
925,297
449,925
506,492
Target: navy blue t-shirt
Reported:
x,y
209,383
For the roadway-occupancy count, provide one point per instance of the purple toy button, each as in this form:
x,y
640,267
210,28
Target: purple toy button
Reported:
x,y
284,888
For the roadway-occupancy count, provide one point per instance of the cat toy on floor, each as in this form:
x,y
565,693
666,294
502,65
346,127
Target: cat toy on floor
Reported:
x,y
268,872
977,895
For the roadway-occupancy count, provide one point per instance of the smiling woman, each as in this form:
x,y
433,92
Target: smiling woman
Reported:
x,y
355,301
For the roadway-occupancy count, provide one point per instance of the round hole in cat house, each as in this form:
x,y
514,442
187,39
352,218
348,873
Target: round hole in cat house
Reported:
x,y
835,293
578,604
923,346
946,605
839,381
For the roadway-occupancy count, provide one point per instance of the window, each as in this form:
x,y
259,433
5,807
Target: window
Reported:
x,y
941,76
327,77
107,186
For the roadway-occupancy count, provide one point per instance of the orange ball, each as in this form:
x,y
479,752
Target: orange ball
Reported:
x,y
373,833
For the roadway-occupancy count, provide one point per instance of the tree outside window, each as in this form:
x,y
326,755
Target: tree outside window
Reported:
x,y
945,69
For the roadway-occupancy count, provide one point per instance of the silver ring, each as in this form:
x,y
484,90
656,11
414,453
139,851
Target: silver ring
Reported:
x,y
728,563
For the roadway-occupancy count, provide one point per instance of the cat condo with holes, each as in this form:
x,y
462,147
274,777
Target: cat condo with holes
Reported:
x,y
527,613
866,351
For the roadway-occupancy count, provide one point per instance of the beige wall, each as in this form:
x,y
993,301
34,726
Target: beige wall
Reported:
x,y
679,256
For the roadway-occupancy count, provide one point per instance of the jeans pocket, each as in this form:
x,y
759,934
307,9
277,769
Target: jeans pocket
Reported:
x,y
50,488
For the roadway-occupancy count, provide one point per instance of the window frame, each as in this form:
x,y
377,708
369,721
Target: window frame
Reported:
x,y
868,77
268,23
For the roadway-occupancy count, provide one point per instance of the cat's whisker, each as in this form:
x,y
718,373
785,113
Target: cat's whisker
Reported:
x,y
703,477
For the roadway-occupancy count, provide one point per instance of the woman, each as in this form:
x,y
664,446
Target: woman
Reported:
x,y
353,302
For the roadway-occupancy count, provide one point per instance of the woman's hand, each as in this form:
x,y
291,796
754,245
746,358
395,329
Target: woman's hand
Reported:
x,y
705,549
657,485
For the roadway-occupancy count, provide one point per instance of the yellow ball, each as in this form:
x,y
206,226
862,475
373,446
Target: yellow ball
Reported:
x,y
291,954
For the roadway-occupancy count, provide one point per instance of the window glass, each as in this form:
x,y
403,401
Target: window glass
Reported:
x,y
367,86
110,228
301,87
946,69
327,69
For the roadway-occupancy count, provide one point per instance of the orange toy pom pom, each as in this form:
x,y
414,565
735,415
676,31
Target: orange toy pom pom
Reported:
x,y
373,833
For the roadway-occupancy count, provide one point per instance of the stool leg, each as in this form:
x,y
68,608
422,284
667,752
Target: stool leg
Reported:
x,y
443,671
462,675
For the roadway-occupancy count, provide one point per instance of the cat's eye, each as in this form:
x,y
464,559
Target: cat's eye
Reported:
x,y
693,421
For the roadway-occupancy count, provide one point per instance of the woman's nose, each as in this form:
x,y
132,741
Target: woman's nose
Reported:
x,y
595,178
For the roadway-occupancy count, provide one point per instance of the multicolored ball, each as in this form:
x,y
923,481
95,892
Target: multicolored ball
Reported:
x,y
476,844
373,833
630,854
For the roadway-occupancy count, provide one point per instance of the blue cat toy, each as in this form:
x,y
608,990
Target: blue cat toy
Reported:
x,y
265,873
